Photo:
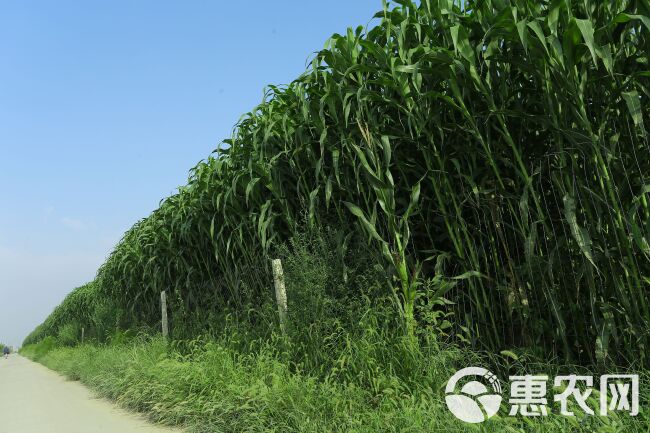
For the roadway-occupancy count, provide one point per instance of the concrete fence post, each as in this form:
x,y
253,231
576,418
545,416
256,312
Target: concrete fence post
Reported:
x,y
163,307
280,292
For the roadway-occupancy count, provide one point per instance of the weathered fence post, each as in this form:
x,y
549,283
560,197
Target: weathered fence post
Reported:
x,y
280,292
163,306
83,331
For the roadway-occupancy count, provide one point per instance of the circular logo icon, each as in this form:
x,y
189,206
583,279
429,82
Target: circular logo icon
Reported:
x,y
474,402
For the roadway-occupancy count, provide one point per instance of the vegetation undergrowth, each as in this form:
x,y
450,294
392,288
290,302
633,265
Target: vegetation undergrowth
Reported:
x,y
209,386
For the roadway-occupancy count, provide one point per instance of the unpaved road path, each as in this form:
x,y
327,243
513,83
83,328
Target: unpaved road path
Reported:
x,y
34,399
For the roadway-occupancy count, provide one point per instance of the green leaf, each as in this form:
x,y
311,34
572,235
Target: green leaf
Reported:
x,y
250,186
385,142
580,234
328,191
372,176
335,161
554,15
467,275
605,54
313,196
406,68
461,43
633,103
587,30
639,239
370,228
523,33
623,18
537,29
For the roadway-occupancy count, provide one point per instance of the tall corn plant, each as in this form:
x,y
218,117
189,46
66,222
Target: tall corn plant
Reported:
x,y
376,162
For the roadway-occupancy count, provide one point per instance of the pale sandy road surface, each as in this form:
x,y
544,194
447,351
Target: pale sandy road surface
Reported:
x,y
34,399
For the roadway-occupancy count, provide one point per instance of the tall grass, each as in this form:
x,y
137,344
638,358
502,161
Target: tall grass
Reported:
x,y
209,387
493,152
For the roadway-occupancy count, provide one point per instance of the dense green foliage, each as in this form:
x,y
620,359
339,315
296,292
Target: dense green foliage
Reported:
x,y
82,308
502,142
212,387
343,364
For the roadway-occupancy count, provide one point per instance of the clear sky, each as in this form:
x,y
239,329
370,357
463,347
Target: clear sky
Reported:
x,y
106,105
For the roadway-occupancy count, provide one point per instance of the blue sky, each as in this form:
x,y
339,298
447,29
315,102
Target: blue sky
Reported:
x,y
106,105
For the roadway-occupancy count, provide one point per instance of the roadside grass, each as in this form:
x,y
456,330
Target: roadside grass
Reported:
x,y
211,387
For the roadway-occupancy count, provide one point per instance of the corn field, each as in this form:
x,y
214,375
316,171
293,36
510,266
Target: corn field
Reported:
x,y
507,137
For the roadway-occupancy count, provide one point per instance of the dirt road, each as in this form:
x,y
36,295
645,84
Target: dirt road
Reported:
x,y
34,399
